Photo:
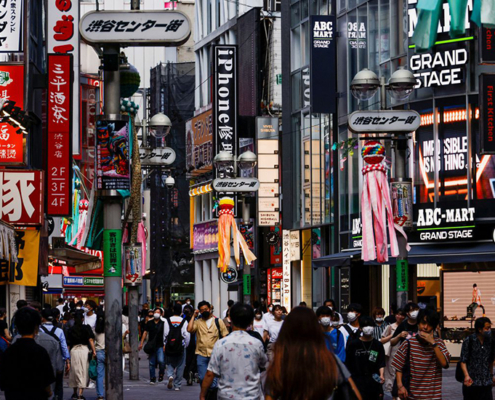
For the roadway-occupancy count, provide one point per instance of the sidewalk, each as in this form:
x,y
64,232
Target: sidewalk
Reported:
x,y
142,390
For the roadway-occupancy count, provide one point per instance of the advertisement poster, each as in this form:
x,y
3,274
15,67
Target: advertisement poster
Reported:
x,y
112,155
205,237
132,264
461,290
199,143
11,88
25,271
402,205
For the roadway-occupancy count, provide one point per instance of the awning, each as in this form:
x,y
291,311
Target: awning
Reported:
x,y
234,286
201,189
342,259
75,258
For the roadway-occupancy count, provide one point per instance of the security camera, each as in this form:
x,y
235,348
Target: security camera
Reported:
x,y
170,181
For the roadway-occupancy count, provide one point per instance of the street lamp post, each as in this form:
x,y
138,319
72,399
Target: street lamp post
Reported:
x,y
227,165
401,85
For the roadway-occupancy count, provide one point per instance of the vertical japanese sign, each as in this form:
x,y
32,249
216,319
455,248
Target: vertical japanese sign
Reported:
x,y
286,296
323,64
59,124
225,102
25,271
487,108
402,275
487,45
246,284
21,197
11,17
63,38
112,244
11,88
133,264
112,155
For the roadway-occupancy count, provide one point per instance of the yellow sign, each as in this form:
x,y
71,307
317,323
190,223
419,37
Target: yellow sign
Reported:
x,y
24,272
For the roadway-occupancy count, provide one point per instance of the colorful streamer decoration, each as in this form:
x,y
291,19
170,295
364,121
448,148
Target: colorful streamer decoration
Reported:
x,y
226,221
376,207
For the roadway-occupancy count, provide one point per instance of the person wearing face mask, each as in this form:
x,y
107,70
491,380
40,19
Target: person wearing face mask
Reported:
x,y
258,321
477,362
272,329
390,350
419,361
186,303
208,330
351,329
269,315
378,315
365,360
409,327
331,304
333,337
153,330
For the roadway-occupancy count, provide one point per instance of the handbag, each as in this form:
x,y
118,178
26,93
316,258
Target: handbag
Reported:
x,y
459,373
93,374
126,348
149,348
406,373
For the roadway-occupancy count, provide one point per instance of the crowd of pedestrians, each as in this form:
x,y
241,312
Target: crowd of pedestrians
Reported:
x,y
247,352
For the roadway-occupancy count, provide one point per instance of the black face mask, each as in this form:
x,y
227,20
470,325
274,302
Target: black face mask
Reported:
x,y
205,314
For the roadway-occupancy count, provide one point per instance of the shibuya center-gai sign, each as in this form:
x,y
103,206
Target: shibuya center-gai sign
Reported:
x,y
136,28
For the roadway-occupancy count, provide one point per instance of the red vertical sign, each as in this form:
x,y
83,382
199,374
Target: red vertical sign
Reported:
x,y
11,88
59,140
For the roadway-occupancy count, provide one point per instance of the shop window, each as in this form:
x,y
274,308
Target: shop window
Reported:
x,y
296,91
313,7
384,30
342,68
305,50
341,5
304,9
353,44
295,14
398,43
296,51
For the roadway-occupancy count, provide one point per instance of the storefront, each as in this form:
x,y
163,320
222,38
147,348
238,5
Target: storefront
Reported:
x,y
84,288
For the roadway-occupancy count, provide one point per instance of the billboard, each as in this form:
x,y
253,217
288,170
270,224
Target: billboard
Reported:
x,y
63,38
459,293
112,155
199,143
11,24
205,237
11,88
59,154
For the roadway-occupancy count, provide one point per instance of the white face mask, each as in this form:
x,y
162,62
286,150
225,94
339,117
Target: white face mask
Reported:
x,y
414,314
258,316
351,317
379,319
270,309
325,321
188,302
156,315
368,330
335,323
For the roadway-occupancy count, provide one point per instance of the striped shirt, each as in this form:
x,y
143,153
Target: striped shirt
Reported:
x,y
378,331
426,373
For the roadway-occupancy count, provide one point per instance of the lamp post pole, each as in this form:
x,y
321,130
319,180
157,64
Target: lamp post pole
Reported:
x,y
112,210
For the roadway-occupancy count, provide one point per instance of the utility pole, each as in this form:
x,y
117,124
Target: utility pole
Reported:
x,y
112,210
134,290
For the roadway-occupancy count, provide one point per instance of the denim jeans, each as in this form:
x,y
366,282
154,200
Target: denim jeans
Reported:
x,y
202,368
177,363
100,358
157,357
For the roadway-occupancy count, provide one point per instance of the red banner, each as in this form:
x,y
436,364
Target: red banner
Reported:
x,y
21,197
59,146
11,88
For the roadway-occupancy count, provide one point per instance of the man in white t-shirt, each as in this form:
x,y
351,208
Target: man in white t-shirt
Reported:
x,y
90,316
176,354
60,307
269,315
354,311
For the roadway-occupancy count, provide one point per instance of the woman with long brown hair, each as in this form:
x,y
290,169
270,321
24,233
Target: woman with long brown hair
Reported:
x,y
302,367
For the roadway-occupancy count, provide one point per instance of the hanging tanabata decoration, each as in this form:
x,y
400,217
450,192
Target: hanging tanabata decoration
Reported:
x,y
81,224
376,207
225,222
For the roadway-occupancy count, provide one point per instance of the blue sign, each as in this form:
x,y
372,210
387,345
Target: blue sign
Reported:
x,y
73,281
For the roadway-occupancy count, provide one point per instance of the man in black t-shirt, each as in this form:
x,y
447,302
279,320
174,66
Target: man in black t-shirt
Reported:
x,y
409,328
26,380
153,330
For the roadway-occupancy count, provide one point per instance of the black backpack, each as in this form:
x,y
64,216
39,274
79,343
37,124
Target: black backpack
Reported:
x,y
174,347
352,334
51,332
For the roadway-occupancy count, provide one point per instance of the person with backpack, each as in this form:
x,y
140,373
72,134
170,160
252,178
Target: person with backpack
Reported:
x,y
476,362
208,331
365,360
48,327
334,339
419,361
153,331
175,341
351,329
